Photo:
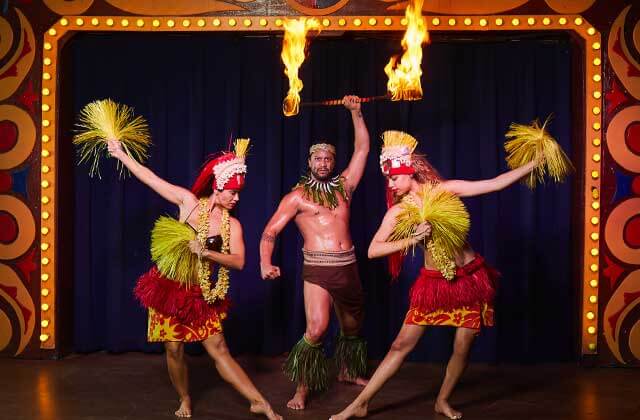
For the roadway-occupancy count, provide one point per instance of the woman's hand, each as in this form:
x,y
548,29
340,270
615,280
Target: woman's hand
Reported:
x,y
423,230
115,149
196,247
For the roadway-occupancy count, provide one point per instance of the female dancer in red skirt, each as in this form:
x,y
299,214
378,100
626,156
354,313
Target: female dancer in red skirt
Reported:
x,y
461,298
189,305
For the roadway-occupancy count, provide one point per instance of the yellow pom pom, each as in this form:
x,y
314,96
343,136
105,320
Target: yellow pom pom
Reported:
x,y
105,119
529,143
170,250
449,220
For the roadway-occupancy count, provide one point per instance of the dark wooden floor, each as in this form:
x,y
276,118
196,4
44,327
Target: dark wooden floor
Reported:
x,y
136,386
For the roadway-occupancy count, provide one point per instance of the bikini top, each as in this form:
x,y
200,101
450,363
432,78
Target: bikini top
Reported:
x,y
213,243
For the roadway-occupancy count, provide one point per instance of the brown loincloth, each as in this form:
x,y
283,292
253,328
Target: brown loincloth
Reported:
x,y
342,283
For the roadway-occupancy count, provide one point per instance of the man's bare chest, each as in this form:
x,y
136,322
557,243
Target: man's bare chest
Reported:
x,y
308,209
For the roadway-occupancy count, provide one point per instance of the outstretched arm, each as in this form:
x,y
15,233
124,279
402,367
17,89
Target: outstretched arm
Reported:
x,y
286,211
172,193
235,258
471,188
379,246
354,171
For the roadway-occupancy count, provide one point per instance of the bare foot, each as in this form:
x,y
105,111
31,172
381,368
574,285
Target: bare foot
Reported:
x,y
299,399
185,408
355,381
355,409
443,407
263,407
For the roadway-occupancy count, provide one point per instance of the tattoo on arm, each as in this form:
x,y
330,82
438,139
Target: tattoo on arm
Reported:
x,y
359,114
268,238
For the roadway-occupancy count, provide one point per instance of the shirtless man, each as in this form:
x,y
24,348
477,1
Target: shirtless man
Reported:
x,y
320,205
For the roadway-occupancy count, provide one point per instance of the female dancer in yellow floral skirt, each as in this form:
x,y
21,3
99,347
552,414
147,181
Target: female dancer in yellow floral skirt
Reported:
x,y
184,303
455,287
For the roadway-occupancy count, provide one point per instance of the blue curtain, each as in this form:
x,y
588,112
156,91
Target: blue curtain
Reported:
x,y
198,91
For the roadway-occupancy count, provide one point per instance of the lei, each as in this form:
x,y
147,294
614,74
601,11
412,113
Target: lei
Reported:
x,y
219,292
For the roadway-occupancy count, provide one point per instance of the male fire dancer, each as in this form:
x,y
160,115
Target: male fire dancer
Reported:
x,y
320,205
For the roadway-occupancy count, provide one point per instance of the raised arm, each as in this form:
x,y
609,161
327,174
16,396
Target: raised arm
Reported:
x,y
471,188
286,211
172,193
379,246
354,171
235,258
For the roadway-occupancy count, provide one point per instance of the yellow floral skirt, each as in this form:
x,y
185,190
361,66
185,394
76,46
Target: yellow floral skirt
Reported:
x,y
474,317
163,328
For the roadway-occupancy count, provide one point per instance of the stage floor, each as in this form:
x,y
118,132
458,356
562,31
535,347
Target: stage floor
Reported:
x,y
136,386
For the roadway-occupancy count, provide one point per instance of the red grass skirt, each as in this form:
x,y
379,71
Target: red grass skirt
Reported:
x,y
177,313
465,301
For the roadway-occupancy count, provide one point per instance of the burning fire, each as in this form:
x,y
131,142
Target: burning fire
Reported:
x,y
404,77
293,45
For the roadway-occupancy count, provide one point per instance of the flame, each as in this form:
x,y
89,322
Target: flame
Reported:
x,y
404,77
293,45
